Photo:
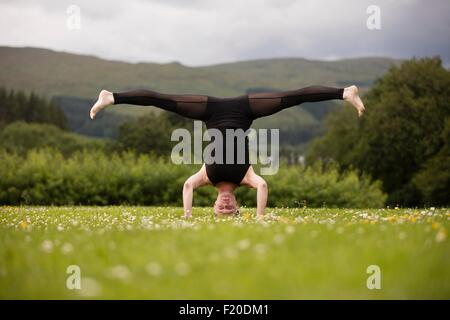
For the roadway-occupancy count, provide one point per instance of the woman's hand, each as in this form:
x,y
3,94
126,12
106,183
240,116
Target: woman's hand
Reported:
x,y
187,214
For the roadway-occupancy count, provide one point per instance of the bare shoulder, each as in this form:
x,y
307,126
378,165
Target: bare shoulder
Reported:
x,y
203,175
198,179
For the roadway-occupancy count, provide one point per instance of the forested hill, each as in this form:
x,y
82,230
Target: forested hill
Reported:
x,y
57,73
61,74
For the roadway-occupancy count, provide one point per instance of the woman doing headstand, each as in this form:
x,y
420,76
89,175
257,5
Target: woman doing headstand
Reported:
x,y
227,113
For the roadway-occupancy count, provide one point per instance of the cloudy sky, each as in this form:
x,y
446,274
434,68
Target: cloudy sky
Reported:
x,y
204,32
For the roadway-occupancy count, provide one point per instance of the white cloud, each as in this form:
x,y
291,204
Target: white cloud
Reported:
x,y
202,32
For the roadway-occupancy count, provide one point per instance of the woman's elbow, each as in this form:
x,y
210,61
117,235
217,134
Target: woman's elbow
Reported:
x,y
187,185
262,185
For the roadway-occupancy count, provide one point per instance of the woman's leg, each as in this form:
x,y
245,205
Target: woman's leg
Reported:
x,y
190,106
268,103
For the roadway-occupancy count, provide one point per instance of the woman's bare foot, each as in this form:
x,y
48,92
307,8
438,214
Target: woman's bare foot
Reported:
x,y
105,98
351,95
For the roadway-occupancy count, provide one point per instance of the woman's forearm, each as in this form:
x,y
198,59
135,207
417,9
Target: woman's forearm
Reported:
x,y
261,198
197,180
187,199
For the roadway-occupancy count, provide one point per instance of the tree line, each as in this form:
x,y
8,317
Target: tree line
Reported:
x,y
403,138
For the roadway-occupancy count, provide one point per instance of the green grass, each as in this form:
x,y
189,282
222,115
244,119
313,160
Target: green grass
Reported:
x,y
154,253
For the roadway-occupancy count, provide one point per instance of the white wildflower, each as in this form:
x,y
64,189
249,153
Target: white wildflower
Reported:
x,y
182,268
66,248
243,244
153,269
47,246
120,272
89,287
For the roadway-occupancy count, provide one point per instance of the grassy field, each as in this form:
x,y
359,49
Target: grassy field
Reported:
x,y
154,253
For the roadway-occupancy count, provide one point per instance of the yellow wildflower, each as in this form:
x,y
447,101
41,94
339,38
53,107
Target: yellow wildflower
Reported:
x,y
23,225
435,225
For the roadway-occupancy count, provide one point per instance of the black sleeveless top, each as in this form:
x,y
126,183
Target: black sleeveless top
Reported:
x,y
222,114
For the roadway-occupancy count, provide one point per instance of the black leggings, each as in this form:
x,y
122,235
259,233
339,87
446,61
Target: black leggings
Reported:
x,y
236,112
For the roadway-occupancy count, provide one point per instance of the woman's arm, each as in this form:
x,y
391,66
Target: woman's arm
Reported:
x,y
197,180
252,180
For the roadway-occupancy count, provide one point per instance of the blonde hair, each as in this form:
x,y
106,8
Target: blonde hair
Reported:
x,y
236,213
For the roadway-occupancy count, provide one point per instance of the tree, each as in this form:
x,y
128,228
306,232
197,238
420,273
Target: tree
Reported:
x,y
151,133
433,180
17,106
406,112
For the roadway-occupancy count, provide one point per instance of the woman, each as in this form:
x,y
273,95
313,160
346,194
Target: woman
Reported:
x,y
228,113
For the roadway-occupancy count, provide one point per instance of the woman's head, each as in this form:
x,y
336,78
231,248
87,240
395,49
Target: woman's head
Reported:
x,y
226,203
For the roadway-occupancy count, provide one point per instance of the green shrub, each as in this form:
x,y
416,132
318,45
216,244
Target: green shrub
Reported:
x,y
20,137
91,177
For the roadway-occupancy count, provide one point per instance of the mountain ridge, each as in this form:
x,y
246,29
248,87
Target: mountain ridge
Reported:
x,y
51,72
66,76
